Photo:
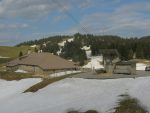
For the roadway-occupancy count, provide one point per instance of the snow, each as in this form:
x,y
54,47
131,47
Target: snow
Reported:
x,y
20,71
33,46
88,53
63,73
70,39
71,94
63,42
140,66
59,52
12,89
4,57
95,63
86,48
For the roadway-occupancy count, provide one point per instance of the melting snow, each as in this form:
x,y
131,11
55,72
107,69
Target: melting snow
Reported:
x,y
20,71
63,42
63,73
33,46
4,57
95,63
86,48
88,53
71,93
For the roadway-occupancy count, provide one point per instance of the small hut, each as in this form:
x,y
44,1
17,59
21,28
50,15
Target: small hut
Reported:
x,y
125,67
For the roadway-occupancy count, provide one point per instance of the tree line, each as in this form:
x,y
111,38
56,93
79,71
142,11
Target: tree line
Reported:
x,y
128,48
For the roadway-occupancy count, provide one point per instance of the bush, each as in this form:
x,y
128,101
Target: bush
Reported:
x,y
129,105
14,76
89,111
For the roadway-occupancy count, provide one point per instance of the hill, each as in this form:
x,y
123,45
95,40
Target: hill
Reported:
x,y
71,47
12,52
8,53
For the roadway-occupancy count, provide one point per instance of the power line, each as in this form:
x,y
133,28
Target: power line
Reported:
x,y
70,15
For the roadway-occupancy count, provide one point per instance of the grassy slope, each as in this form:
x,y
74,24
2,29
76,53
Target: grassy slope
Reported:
x,y
14,76
46,82
12,52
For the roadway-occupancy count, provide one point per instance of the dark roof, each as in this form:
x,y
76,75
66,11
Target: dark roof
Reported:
x,y
125,63
109,52
44,60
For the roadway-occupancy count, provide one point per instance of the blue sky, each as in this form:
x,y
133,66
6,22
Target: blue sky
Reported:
x,y
22,20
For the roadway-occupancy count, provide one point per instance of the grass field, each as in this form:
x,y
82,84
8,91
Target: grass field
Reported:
x,y
46,82
13,52
14,76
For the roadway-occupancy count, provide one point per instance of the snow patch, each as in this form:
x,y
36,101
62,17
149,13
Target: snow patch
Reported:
x,y
63,42
59,52
33,46
4,57
88,53
140,66
20,71
95,63
86,48
63,73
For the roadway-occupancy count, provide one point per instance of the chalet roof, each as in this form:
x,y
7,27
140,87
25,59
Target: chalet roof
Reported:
x,y
43,60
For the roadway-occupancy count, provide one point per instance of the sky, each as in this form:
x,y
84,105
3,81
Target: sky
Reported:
x,y
22,20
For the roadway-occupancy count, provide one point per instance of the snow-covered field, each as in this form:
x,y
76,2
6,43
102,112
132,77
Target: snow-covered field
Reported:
x,y
71,94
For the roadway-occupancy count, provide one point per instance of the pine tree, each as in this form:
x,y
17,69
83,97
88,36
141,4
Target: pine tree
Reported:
x,y
20,54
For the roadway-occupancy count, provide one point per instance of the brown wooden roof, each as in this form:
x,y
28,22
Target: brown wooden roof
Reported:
x,y
44,60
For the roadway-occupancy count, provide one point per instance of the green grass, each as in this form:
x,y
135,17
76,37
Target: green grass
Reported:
x,y
4,60
14,76
13,52
129,105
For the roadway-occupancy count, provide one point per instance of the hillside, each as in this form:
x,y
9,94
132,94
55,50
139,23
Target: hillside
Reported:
x,y
70,47
8,53
12,52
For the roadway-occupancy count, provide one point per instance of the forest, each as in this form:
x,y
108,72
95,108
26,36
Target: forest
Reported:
x,y
128,48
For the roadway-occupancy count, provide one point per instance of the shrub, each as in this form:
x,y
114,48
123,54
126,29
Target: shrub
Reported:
x,y
129,105
89,111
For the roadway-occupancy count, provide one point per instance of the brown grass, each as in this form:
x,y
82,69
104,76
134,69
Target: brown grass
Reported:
x,y
14,76
89,111
45,82
129,105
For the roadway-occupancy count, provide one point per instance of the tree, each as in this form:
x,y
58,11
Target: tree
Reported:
x,y
35,50
20,54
